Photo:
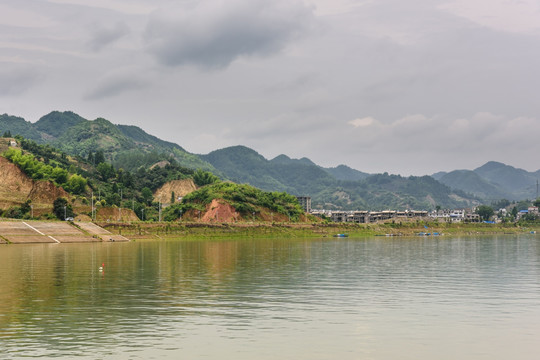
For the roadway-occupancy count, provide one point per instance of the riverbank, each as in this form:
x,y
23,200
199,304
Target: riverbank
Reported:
x,y
18,231
193,230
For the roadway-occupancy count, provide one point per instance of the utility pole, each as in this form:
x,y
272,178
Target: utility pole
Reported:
x,y
92,206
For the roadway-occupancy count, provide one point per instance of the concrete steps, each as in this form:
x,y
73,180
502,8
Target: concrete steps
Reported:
x,y
27,232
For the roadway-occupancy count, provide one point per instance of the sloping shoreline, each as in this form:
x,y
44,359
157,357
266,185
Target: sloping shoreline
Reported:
x,y
31,232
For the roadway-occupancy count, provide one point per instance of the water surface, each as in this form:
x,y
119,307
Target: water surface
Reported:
x,y
380,298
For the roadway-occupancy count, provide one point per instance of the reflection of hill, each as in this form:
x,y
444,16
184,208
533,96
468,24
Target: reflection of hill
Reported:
x,y
54,300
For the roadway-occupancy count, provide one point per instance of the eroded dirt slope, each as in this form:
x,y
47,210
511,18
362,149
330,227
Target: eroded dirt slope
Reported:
x,y
16,187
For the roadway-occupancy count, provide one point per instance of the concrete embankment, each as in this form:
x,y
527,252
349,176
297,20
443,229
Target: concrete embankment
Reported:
x,y
27,232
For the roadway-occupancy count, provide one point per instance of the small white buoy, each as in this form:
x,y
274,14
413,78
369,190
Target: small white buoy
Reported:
x,y
101,267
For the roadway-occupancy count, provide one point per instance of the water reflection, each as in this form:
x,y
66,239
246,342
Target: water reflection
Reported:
x,y
377,298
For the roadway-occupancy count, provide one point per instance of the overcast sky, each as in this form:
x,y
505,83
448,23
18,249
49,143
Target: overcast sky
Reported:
x,y
407,87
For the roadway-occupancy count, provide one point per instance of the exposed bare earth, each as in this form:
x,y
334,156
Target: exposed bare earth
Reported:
x,y
115,214
219,212
179,187
16,188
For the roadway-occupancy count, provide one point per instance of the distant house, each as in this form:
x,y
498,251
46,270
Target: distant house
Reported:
x,y
305,202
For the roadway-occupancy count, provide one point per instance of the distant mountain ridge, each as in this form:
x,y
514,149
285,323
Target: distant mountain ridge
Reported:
x,y
493,181
339,187
75,135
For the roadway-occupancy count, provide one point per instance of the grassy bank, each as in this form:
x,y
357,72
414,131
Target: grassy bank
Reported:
x,y
147,230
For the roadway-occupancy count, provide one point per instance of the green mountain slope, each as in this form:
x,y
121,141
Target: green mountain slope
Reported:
x,y
88,136
471,182
141,137
493,181
343,172
300,177
130,147
57,123
520,183
124,145
18,126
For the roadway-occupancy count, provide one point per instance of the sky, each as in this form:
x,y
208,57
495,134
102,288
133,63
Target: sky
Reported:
x,y
406,87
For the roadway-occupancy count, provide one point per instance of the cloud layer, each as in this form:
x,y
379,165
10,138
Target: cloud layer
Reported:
x,y
405,87
215,33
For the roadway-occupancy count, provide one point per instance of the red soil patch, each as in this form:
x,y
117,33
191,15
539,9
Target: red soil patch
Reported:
x,y
220,212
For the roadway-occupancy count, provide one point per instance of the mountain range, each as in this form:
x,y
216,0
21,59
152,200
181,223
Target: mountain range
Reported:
x,y
338,187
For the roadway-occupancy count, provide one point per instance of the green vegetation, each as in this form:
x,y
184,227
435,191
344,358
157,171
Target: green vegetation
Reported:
x,y
111,186
76,136
62,209
485,212
363,191
202,178
493,181
223,231
52,171
245,199
130,148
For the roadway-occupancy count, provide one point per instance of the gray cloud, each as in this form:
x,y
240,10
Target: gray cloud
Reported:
x,y
116,84
407,87
214,33
107,35
17,80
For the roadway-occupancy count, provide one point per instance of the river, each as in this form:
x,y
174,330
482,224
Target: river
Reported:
x,y
376,298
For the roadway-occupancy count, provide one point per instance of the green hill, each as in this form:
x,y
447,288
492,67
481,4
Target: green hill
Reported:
x,y
57,123
343,172
121,144
301,177
493,181
130,147
18,126
518,182
471,182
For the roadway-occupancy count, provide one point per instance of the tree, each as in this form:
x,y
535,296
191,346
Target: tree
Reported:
x,y
514,212
91,159
201,178
147,195
500,204
106,171
172,213
7,134
99,157
485,212
59,175
173,198
62,209
76,184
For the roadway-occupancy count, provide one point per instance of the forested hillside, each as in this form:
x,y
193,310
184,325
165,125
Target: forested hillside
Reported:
x,y
94,183
493,181
362,191
77,136
129,148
